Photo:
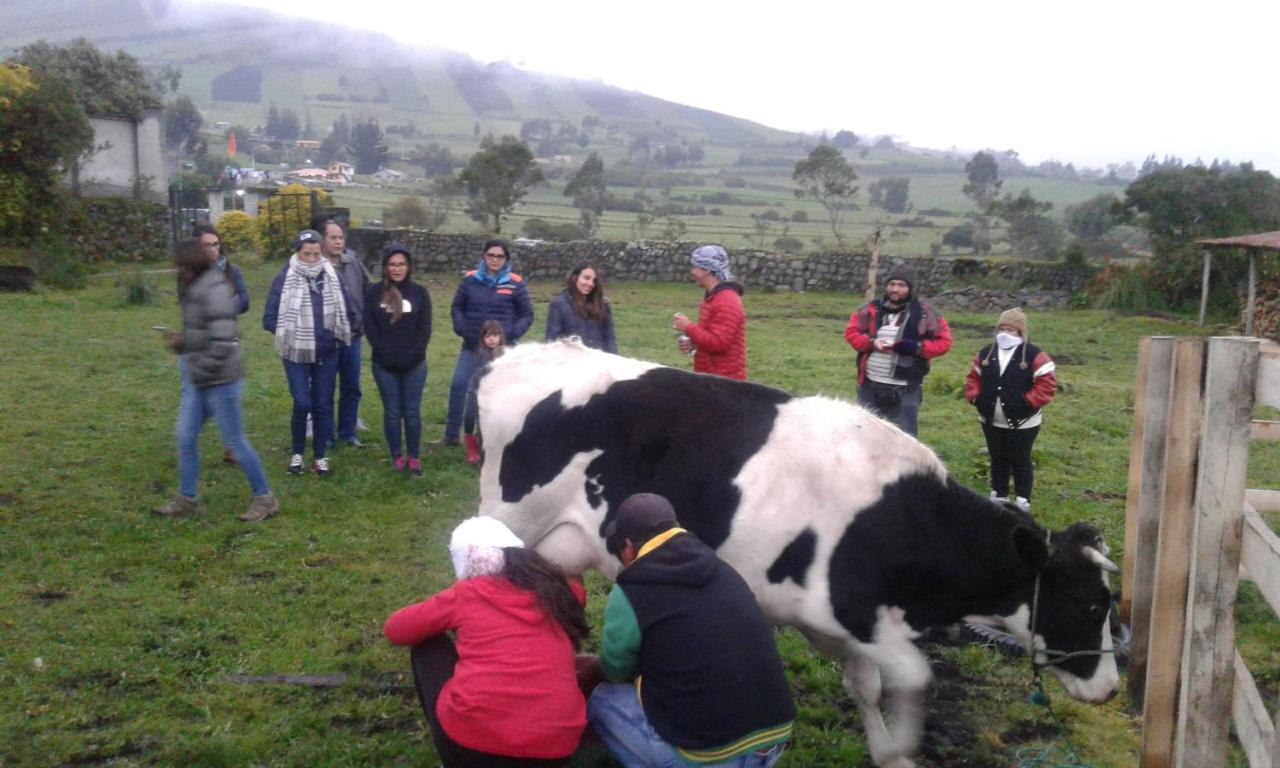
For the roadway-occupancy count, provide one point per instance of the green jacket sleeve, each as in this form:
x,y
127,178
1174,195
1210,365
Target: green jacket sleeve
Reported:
x,y
620,639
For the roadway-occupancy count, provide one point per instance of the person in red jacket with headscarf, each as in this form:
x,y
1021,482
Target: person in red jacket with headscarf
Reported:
x,y
718,340
504,691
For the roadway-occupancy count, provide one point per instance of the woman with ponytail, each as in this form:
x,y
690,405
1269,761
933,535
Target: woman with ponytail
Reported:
x,y
397,321
504,691
1009,382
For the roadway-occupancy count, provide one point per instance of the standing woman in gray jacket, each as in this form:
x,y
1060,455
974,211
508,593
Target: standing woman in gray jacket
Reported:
x,y
209,343
582,310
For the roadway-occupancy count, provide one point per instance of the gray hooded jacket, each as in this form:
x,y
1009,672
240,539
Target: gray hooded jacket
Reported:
x,y
210,338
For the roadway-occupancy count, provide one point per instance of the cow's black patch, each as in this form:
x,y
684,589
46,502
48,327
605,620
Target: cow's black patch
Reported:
x,y
671,432
940,552
795,560
932,548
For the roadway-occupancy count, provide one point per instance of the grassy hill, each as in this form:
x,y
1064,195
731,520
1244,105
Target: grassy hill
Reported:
x,y
322,72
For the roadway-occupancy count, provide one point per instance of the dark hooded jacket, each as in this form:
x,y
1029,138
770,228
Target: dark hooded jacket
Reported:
x,y
686,625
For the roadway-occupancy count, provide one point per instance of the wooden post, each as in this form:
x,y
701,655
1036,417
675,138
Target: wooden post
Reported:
x,y
1205,703
1143,503
1204,284
1135,480
873,267
1253,291
1173,557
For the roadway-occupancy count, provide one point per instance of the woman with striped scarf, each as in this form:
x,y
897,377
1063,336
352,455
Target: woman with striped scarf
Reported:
x,y
310,314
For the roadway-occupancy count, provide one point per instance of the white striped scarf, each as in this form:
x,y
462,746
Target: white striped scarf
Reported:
x,y
295,325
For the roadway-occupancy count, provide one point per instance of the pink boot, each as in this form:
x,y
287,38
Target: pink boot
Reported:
x,y
473,449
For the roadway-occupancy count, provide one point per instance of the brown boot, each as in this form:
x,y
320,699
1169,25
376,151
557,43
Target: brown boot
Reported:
x,y
229,458
179,506
261,508
473,449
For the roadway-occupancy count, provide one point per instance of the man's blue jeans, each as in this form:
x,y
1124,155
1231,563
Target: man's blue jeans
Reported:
x,y
222,403
401,394
349,393
462,373
311,387
615,713
904,414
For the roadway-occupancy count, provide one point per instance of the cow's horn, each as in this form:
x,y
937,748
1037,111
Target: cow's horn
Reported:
x,y
1101,560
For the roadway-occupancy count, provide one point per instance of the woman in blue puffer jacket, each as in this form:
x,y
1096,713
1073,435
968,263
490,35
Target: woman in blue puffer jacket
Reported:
x,y
491,291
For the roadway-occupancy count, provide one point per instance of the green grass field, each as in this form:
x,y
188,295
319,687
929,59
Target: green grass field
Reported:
x,y
120,629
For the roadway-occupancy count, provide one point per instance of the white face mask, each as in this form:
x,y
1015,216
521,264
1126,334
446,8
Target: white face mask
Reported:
x,y
1007,340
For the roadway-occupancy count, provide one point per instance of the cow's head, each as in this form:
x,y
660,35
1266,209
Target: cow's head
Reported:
x,y
1072,613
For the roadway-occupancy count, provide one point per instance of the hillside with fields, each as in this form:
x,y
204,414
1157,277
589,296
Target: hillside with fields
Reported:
x,y
695,174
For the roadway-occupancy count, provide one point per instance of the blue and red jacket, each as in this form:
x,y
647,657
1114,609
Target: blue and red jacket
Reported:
x,y
502,297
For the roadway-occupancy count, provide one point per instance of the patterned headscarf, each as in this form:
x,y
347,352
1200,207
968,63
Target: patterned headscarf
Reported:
x,y
713,259
476,547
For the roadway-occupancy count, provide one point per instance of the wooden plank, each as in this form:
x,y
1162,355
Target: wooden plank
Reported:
x,y
1173,558
1263,501
1253,291
1268,431
1249,714
1205,699
1269,375
1135,481
1150,455
1260,555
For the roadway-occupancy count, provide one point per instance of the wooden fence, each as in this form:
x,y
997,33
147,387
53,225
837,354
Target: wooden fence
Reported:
x,y
1192,530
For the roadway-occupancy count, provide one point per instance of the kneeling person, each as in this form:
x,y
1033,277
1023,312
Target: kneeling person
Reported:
x,y
709,687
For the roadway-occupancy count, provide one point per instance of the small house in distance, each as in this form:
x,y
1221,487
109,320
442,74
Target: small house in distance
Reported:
x,y
388,176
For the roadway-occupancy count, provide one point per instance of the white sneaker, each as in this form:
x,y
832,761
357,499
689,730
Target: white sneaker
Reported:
x,y
1023,504
321,467
361,426
295,464
997,497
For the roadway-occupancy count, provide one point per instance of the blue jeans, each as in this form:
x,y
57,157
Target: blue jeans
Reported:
x,y
615,713
401,402
311,387
223,404
462,372
904,414
349,393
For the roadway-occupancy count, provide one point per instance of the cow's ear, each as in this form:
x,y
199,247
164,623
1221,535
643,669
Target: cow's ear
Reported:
x,y
1031,546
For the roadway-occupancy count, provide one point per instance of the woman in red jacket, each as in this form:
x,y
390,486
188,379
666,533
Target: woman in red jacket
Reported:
x,y
504,692
719,339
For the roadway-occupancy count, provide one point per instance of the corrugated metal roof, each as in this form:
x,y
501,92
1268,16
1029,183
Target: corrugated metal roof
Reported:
x,y
1269,241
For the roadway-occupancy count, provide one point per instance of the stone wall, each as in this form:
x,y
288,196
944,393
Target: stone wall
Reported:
x,y
649,261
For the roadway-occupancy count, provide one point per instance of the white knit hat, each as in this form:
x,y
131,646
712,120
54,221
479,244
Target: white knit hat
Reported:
x,y
476,547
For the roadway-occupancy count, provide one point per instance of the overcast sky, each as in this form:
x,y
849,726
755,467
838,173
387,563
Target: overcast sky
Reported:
x,y
1087,82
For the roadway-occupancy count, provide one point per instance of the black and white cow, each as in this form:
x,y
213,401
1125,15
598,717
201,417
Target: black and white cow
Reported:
x,y
845,527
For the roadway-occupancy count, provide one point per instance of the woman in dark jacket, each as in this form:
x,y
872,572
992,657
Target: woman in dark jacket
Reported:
x,y
582,310
210,347
311,316
397,322
491,291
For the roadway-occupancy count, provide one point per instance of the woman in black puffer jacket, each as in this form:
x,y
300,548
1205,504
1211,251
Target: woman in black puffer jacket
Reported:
x,y
397,322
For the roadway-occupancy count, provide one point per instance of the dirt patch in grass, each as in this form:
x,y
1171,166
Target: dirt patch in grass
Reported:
x,y
948,733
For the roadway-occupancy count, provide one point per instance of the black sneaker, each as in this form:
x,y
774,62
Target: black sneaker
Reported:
x,y
321,467
295,464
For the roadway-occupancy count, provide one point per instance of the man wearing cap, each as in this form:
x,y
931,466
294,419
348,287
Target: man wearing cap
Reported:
x,y
706,684
718,340
895,337
355,278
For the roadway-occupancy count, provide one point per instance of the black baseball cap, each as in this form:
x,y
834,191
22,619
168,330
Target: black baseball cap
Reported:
x,y
307,236
639,518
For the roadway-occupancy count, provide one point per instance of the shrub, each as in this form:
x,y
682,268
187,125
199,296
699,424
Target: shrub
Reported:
x,y
541,229
800,217
240,235
1129,289
789,244
137,288
56,263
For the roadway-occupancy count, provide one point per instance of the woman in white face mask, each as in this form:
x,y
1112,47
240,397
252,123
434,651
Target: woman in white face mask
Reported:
x,y
1010,381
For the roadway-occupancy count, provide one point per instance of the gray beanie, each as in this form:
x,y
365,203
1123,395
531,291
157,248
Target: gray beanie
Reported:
x,y
713,259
